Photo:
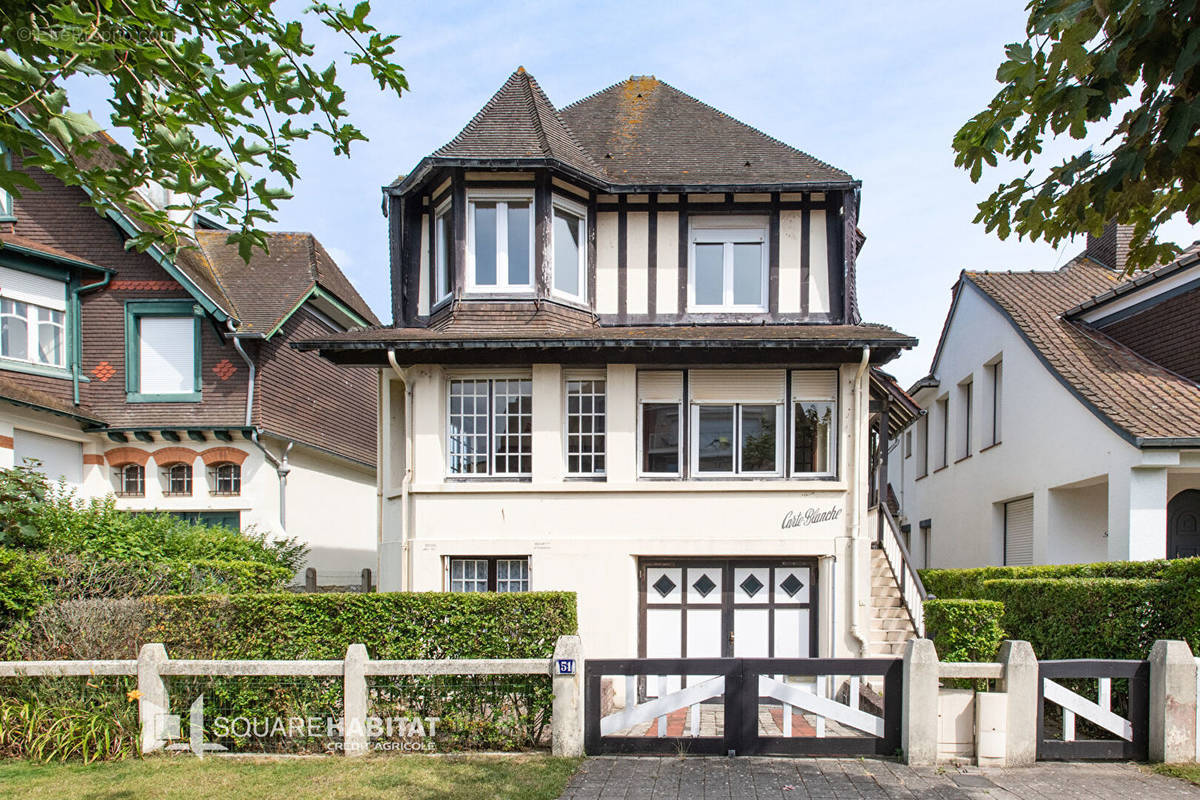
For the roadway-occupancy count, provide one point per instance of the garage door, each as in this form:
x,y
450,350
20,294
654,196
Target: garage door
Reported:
x,y
1018,532
60,459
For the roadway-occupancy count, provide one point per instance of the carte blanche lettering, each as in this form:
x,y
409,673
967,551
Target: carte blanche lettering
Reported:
x,y
810,516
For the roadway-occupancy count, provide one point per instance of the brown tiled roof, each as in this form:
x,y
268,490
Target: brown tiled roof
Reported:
x,y
519,122
645,131
265,291
18,394
1136,397
751,336
639,132
23,243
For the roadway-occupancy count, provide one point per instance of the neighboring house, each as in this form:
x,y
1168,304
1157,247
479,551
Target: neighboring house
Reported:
x,y
169,381
628,363
1063,417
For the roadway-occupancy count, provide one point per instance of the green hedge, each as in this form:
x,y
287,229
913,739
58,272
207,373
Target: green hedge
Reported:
x,y
968,583
964,630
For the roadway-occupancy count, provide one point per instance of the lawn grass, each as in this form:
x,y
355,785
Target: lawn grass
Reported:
x,y
413,777
1187,772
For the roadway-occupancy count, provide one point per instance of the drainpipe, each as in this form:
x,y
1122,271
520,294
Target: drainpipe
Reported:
x,y
237,345
77,329
281,469
406,514
859,456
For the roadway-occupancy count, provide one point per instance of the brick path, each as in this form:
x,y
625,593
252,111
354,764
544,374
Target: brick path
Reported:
x,y
696,778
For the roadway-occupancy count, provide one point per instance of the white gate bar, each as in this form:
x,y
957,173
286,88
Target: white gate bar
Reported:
x,y
860,720
787,720
854,692
1057,693
1068,725
662,692
695,719
652,709
1104,693
819,690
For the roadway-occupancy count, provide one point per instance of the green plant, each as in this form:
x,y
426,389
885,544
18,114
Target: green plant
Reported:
x,y
964,630
22,492
25,584
73,722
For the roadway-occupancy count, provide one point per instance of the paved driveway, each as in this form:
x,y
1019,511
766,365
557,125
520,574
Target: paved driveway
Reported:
x,y
697,778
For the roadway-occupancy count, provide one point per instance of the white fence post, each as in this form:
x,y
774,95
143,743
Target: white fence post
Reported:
x,y
919,714
153,702
1020,683
354,701
1172,702
566,722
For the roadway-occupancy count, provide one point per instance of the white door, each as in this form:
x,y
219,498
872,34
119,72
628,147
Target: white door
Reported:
x,y
1018,532
58,459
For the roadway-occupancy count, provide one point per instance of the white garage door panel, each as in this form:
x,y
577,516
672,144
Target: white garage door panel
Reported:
x,y
61,459
1018,532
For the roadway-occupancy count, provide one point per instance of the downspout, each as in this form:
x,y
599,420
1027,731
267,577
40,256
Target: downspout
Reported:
x,y
77,328
237,345
406,515
859,456
281,469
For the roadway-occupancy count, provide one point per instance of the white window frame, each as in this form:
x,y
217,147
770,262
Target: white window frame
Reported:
x,y
579,210
121,472
833,438
737,472
727,230
568,378
501,197
168,473
491,574
234,478
442,260
491,473
33,327
680,447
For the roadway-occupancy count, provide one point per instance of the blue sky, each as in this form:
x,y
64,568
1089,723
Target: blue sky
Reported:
x,y
877,89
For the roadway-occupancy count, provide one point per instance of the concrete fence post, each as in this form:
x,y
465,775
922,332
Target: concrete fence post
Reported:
x,y
1172,702
919,703
153,702
1020,683
566,724
354,701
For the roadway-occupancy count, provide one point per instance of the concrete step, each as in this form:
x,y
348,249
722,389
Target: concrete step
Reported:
x,y
885,592
895,623
884,603
891,612
885,648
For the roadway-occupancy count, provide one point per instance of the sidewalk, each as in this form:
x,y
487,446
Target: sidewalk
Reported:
x,y
695,778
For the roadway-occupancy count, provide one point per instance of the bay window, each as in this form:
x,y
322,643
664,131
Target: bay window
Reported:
x,y
33,318
500,241
570,254
490,427
727,266
443,239
814,423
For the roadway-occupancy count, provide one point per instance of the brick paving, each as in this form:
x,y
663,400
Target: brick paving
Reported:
x,y
697,778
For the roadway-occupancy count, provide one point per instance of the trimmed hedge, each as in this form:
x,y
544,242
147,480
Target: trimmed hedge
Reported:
x,y
968,583
400,625
964,630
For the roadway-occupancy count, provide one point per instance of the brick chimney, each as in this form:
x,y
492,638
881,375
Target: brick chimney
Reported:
x,y
1111,248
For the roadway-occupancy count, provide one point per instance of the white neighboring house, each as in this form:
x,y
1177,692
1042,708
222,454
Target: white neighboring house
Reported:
x,y
1062,418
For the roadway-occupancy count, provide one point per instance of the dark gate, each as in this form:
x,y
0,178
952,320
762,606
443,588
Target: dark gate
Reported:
x,y
1115,726
743,706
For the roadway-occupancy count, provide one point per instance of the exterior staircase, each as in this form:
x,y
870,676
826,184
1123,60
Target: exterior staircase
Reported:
x,y
890,624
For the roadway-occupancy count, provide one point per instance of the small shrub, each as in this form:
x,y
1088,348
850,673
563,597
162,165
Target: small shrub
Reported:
x,y
964,630
25,584
22,492
65,720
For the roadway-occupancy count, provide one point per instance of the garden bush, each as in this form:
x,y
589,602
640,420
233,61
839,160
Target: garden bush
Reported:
x,y
964,630
968,583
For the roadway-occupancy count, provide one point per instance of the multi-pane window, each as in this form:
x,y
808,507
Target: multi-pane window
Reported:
x,y
226,478
814,422
489,574
585,426
32,333
490,427
131,480
500,242
443,237
570,255
735,439
178,478
728,265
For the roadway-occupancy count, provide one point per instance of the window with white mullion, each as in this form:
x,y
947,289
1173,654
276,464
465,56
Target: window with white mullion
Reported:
x,y
490,427
512,421
32,333
500,242
469,431
443,247
468,575
585,426
736,439
512,575
728,268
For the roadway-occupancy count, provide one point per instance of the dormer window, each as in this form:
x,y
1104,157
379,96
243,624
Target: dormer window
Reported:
x,y
727,265
570,255
500,241
443,246
32,318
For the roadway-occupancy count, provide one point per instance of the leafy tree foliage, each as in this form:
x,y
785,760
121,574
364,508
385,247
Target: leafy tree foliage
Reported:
x,y
1088,66
213,92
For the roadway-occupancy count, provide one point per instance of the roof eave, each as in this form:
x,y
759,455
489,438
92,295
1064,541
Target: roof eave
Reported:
x,y
1132,285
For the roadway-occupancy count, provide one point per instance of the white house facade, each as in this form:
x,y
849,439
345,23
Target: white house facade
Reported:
x,y
652,390
1061,419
